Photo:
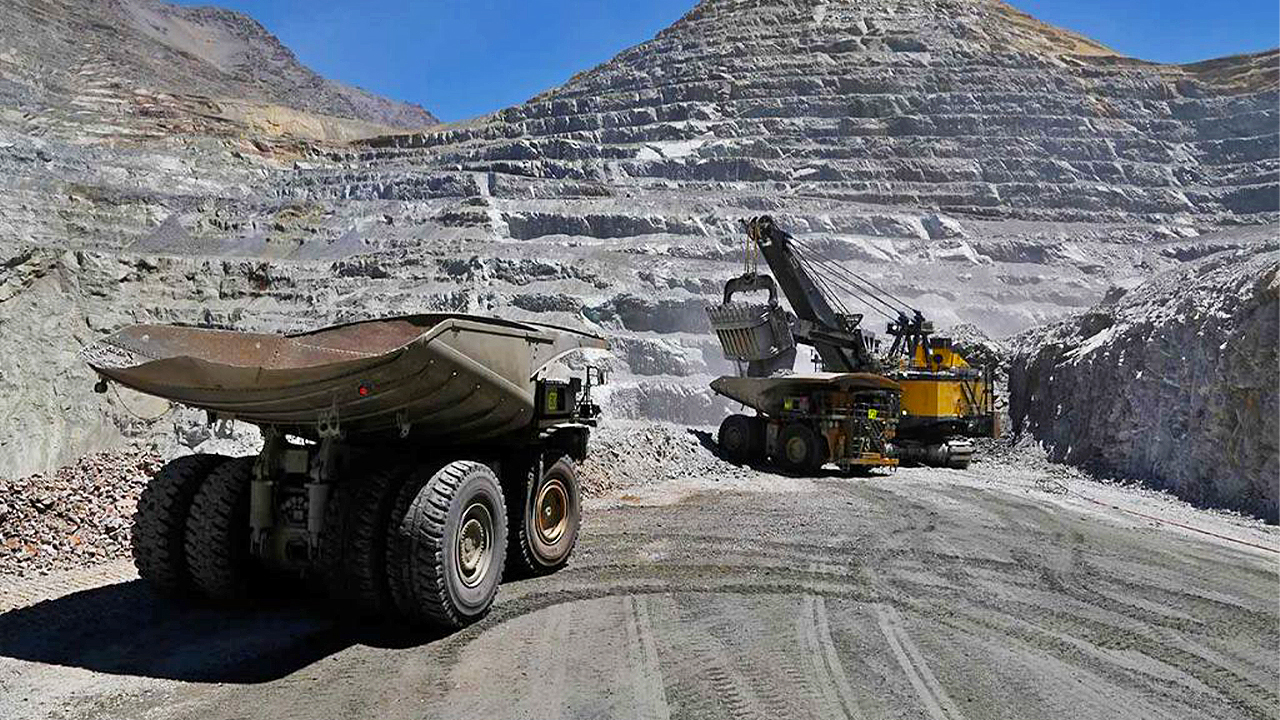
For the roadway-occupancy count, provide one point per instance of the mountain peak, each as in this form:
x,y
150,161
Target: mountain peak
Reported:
x,y
82,51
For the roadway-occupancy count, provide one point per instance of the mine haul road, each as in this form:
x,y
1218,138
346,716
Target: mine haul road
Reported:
x,y
932,594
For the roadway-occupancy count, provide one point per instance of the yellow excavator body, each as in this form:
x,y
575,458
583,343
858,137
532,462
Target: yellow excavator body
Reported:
x,y
939,398
941,387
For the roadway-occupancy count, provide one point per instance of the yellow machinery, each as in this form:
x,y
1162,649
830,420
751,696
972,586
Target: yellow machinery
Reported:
x,y
943,402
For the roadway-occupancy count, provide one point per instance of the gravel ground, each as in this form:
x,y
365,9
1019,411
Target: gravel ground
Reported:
x,y
1012,589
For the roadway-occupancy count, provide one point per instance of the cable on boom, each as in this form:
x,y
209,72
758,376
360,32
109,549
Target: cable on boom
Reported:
x,y
828,277
871,288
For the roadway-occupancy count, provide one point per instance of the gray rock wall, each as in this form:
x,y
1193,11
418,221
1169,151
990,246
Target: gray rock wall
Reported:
x,y
970,106
1174,382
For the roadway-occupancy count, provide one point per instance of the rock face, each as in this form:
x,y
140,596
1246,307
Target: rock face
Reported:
x,y
1174,382
964,105
984,167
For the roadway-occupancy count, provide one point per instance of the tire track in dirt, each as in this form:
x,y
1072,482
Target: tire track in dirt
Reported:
x,y
1048,627
815,631
648,686
1242,691
1066,632
714,685
1046,618
761,650
546,696
934,698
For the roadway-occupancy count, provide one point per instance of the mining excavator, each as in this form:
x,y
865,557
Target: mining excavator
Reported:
x,y
916,402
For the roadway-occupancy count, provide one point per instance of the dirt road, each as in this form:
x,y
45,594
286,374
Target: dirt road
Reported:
x,y
930,594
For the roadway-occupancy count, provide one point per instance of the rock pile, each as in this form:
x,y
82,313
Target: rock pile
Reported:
x,y
1174,382
629,454
78,515
82,514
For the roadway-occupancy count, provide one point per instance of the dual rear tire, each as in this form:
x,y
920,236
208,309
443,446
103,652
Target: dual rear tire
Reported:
x,y
428,543
190,532
158,544
217,535
741,439
800,449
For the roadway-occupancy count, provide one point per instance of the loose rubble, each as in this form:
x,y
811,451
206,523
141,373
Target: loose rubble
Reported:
x,y
624,454
76,516
81,515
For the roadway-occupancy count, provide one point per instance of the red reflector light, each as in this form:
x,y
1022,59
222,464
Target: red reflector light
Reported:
x,y
363,390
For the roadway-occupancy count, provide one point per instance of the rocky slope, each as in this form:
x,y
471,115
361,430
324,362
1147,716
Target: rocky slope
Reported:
x,y
990,169
1174,382
963,105
153,59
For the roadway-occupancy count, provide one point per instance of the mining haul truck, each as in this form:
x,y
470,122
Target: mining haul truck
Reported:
x,y
918,403
405,461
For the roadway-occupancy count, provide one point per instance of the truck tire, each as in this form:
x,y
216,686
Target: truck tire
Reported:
x,y
544,524
800,449
160,523
354,540
454,536
397,544
739,439
217,541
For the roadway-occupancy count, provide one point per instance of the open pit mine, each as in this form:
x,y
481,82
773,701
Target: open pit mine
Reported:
x,y
812,359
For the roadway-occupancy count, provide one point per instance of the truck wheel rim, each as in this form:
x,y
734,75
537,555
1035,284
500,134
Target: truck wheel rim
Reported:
x,y
552,508
797,450
733,440
475,547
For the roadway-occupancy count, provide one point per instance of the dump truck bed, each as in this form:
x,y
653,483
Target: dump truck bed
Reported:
x,y
441,377
768,394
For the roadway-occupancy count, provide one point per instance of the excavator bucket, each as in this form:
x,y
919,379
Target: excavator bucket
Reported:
x,y
758,334
750,331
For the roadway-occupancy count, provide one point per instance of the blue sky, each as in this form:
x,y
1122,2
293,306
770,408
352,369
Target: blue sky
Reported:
x,y
460,58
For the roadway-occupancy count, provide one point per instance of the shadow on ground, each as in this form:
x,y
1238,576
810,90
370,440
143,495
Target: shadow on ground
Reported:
x,y
125,629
